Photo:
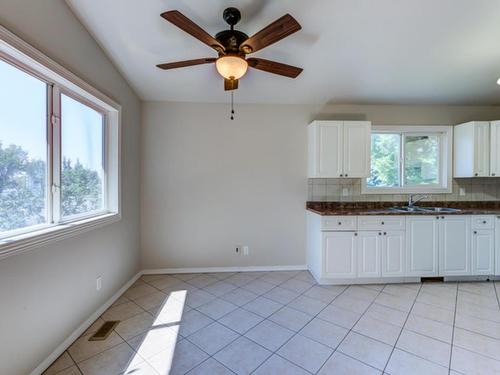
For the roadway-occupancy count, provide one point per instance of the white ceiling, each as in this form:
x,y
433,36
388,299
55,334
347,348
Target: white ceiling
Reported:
x,y
356,51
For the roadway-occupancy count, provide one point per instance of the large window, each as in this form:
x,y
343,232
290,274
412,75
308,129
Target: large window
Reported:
x,y
409,159
82,170
23,149
59,150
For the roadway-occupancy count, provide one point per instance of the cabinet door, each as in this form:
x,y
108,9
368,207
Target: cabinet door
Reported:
x,y
339,254
329,152
495,148
393,254
497,245
454,245
357,145
483,252
421,246
481,149
369,254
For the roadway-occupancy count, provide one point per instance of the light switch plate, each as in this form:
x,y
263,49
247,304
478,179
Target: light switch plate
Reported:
x,y
462,192
345,192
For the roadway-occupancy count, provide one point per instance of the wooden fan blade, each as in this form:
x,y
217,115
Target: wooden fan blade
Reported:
x,y
274,67
182,64
230,84
184,23
270,34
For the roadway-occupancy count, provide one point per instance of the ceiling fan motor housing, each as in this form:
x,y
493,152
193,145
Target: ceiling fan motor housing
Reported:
x,y
232,16
231,40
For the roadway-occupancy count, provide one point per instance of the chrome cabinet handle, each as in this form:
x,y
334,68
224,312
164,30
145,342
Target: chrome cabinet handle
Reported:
x,y
475,232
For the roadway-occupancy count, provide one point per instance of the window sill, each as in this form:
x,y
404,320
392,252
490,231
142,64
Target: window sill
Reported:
x,y
27,241
416,190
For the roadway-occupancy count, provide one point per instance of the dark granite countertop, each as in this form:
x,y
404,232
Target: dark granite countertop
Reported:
x,y
383,208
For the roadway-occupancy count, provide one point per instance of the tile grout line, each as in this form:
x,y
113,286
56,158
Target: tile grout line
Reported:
x,y
239,335
453,330
76,364
296,333
402,328
350,330
496,293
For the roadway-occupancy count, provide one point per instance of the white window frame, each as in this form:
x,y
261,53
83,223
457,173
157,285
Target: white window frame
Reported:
x,y
25,57
445,158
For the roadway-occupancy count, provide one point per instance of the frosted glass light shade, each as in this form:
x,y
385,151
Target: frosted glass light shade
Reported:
x,y
231,67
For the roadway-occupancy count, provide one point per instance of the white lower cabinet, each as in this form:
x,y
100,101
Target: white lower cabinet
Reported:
x,y
422,246
369,254
454,245
483,252
497,246
425,246
339,254
393,254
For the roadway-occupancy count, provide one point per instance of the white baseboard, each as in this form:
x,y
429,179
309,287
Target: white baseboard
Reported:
x,y
82,328
224,269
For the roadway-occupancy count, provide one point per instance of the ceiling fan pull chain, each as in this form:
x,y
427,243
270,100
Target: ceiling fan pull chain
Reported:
x,y
232,105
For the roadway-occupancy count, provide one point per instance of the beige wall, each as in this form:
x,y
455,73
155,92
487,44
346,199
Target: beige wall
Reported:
x,y
46,293
210,183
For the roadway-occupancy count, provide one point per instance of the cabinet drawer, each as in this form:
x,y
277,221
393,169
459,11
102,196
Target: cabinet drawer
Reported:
x,y
381,222
339,223
483,222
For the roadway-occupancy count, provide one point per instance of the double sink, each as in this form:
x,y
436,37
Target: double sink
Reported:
x,y
424,209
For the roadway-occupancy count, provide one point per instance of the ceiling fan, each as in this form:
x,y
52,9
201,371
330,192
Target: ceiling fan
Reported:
x,y
233,45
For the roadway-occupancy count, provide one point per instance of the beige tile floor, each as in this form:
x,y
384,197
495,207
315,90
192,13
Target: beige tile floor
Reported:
x,y
284,323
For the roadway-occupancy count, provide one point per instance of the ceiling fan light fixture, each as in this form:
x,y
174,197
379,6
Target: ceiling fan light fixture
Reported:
x,y
231,66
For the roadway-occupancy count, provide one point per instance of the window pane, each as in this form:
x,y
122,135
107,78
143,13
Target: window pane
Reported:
x,y
23,149
421,159
385,160
82,173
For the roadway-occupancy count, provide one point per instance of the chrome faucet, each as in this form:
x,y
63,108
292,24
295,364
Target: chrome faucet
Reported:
x,y
412,200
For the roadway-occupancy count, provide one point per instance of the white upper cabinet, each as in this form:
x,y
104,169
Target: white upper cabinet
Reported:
x,y
357,145
495,148
475,149
339,149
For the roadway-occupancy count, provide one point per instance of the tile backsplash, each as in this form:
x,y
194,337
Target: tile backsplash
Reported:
x,y
330,190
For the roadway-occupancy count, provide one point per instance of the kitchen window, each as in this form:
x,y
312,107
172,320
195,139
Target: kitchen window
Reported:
x,y
410,159
59,151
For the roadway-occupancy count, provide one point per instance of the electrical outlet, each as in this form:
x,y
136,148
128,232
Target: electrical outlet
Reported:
x,y
462,192
246,250
345,192
239,249
98,283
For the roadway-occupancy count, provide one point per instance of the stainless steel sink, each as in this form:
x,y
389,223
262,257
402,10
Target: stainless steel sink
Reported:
x,y
424,209
404,209
440,209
